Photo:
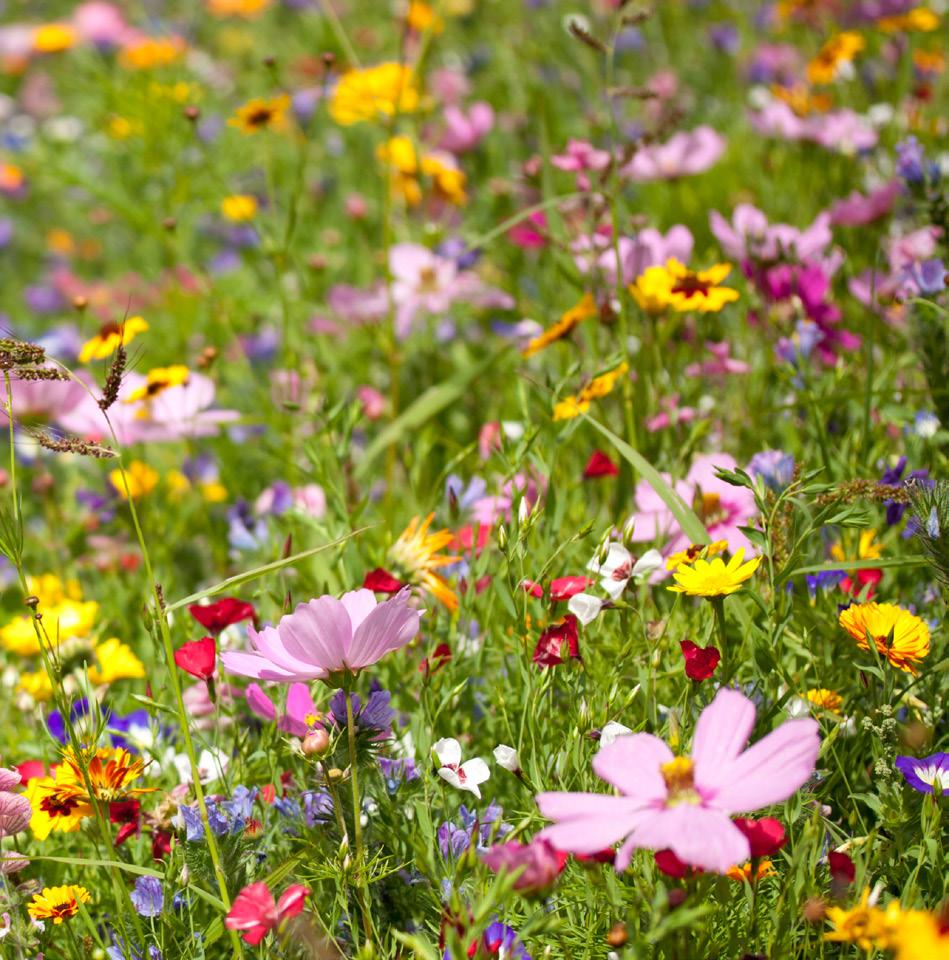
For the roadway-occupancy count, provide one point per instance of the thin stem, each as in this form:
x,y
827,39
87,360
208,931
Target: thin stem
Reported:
x,y
360,860
718,605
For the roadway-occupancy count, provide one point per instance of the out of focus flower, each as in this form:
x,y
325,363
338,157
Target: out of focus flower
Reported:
x,y
599,465
417,558
537,863
775,467
824,699
239,207
558,644
374,92
685,154
898,635
583,310
921,936
833,56
464,776
465,130
927,774
114,660
58,904
135,481
255,913
220,614
54,38
600,386
506,758
674,286
109,337
866,925
765,836
262,114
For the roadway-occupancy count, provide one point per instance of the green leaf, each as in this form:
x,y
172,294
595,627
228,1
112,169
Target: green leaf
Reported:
x,y
691,526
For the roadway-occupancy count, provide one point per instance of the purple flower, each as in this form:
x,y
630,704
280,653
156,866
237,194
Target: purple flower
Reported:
x,y
774,466
924,775
317,807
909,160
148,898
194,826
893,477
823,581
375,717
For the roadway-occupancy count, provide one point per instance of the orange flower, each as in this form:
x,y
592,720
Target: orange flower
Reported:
x,y
897,634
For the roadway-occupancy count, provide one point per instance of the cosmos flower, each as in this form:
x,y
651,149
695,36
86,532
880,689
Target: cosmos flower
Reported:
x,y
57,903
685,154
899,636
926,774
374,93
685,804
714,578
327,636
255,913
464,776
537,862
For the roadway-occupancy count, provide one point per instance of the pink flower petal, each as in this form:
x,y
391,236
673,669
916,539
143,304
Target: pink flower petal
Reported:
x,y
632,763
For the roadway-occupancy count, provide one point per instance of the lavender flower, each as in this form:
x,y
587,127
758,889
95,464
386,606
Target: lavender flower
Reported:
x,y
148,898
926,774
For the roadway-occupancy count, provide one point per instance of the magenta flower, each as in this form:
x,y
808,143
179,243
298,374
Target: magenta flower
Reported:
x,y
327,636
683,155
721,364
464,131
686,804
538,860
857,210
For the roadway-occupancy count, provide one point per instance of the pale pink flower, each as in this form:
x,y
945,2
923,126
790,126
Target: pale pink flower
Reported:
x,y
327,636
648,248
670,414
372,401
255,913
749,236
46,400
857,210
683,804
466,776
300,715
464,131
777,119
722,363
683,155
101,24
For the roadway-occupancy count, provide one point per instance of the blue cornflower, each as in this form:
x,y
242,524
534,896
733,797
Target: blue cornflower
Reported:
x,y
148,898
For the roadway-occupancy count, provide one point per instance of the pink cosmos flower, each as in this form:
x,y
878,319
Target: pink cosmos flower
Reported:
x,y
301,715
670,414
464,131
686,804
777,119
749,236
683,155
326,636
721,507
581,157
722,364
101,23
857,210
539,862
255,913
46,400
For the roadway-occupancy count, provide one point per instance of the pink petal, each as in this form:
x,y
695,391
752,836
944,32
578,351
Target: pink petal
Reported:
x,y
588,822
697,835
390,626
721,733
253,906
260,703
631,764
318,633
359,604
300,705
250,665
15,813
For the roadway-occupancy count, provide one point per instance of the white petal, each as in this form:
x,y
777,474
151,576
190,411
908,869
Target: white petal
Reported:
x,y
506,757
647,564
611,731
585,607
476,771
613,587
448,751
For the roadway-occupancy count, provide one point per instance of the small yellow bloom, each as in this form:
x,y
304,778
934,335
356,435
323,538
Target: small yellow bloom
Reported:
x,y
110,335
919,20
150,52
248,9
421,17
839,50
694,552
374,92
714,578
121,128
115,661
158,380
416,556
58,903
54,38
63,621
675,285
598,387
448,181
140,477
742,874
865,924
585,308
801,99
61,242
825,699
239,207
262,114
899,636
36,684
868,548
55,809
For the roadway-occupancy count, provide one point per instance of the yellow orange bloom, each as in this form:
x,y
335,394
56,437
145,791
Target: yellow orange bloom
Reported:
x,y
825,699
248,9
111,772
55,809
868,548
239,207
929,61
373,92
598,387
110,335
150,52
694,552
714,578
11,178
743,873
838,50
36,683
54,38
57,903
585,308
158,380
262,114
897,634
921,936
140,478
416,555
115,661
421,17
801,99
917,20
675,285
62,621
866,925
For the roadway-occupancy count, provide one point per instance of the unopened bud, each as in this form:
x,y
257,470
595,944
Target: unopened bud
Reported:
x,y
506,758
80,303
523,512
192,113
316,742
629,528
502,536
617,936
169,223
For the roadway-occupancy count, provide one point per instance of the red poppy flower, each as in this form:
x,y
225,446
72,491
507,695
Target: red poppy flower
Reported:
x,y
842,868
381,581
214,617
599,465
197,657
471,537
563,588
765,836
558,644
700,662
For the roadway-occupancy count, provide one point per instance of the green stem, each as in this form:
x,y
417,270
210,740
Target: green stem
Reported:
x,y
358,852
718,605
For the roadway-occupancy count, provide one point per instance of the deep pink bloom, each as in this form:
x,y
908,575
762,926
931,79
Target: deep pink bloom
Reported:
x,y
530,233
686,806
563,588
558,644
301,715
765,836
255,913
599,465
197,657
857,210
381,581
327,636
700,662
684,154
540,862
464,131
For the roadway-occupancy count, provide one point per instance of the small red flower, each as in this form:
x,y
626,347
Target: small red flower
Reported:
x,y
470,537
268,793
672,866
861,578
563,588
440,656
700,662
606,855
599,465
161,844
30,770
532,588
558,644
842,868
381,581
214,617
765,836
197,657
255,913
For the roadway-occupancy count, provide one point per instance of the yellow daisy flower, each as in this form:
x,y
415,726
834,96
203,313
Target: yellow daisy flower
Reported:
x,y
110,335
416,556
58,903
373,92
36,684
54,38
598,387
140,478
897,634
694,552
865,925
55,809
151,52
714,578
262,114
61,622
421,17
115,661
239,207
675,285
921,936
248,9
825,699
159,379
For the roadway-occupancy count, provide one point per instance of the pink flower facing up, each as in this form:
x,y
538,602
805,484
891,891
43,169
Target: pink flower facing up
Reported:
x,y
686,804
255,913
327,637
539,862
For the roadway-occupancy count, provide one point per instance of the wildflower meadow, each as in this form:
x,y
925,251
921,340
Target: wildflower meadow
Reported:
x,y
474,479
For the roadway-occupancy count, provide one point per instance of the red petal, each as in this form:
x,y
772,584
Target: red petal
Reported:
x,y
599,465
563,588
381,581
765,836
197,657
214,617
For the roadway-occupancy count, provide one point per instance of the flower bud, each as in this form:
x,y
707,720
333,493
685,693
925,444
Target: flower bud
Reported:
x,y
506,758
628,529
316,742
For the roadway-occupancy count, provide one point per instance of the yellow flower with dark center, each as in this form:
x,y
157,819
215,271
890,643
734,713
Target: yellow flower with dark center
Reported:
x,y
262,114
598,387
839,50
802,100
239,207
56,808
421,17
248,9
158,380
110,335
57,903
115,661
140,479
825,699
865,924
674,285
917,20
54,38
695,551
897,634
374,92
150,52
714,578
920,935
416,554
579,312
448,181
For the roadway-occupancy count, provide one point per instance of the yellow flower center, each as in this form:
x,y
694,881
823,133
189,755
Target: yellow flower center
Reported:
x,y
710,509
678,775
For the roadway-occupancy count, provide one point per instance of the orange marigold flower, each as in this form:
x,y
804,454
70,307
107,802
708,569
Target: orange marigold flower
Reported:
x,y
897,634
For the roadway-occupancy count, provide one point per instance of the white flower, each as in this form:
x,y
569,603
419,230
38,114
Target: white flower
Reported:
x,y
611,732
585,607
506,757
618,568
211,765
464,776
